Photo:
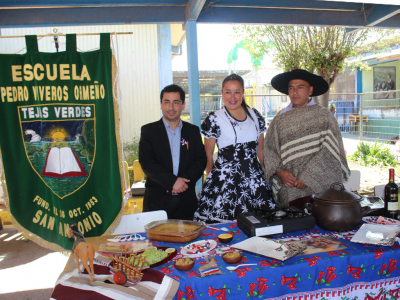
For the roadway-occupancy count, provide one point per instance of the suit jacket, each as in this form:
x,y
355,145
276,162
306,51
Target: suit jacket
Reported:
x,y
156,161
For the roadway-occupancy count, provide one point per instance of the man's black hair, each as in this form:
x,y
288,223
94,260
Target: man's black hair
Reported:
x,y
173,88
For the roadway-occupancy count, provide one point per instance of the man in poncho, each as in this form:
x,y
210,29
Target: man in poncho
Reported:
x,y
303,148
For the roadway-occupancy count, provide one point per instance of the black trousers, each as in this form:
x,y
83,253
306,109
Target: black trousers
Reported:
x,y
176,208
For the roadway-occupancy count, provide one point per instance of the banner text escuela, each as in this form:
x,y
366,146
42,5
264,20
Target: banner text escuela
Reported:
x,y
38,72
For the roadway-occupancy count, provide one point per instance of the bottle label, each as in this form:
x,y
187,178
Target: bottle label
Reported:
x,y
393,206
393,197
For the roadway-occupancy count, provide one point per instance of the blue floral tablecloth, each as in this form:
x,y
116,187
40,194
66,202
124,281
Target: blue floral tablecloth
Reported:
x,y
358,272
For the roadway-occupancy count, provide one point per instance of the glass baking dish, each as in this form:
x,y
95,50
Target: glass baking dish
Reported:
x,y
174,231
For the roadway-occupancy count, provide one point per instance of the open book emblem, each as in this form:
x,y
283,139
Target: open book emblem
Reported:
x,y
60,147
62,163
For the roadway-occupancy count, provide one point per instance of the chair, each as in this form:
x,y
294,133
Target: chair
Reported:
x,y
353,184
138,174
134,203
135,223
138,186
127,178
379,190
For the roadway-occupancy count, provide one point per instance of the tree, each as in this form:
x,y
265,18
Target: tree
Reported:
x,y
317,49
379,45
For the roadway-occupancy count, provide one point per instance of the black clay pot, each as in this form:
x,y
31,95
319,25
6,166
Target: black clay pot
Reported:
x,y
337,209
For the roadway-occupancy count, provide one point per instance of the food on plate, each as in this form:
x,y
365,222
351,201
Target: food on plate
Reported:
x,y
170,250
233,254
174,231
198,248
152,256
176,227
117,247
322,243
183,261
232,257
225,237
184,264
109,248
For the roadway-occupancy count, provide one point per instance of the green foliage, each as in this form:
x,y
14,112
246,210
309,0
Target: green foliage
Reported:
x,y
316,49
131,151
384,40
375,154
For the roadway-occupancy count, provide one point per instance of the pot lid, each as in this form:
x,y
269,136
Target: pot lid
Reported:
x,y
337,192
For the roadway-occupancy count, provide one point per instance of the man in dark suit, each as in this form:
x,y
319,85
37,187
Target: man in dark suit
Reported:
x,y
172,156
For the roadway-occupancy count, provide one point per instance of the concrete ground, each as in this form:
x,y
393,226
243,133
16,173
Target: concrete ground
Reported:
x,y
350,145
27,270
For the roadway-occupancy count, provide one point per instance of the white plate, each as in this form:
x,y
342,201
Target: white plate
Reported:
x,y
263,246
198,249
383,235
127,238
381,221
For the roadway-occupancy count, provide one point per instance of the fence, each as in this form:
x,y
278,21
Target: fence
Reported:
x,y
380,112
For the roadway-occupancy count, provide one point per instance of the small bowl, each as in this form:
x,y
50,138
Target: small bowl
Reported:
x,y
225,237
184,267
232,260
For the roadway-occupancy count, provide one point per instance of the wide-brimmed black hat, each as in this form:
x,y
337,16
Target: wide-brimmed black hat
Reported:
x,y
281,81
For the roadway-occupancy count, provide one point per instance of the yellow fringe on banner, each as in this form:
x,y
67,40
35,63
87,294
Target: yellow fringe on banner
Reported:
x,y
27,234
117,220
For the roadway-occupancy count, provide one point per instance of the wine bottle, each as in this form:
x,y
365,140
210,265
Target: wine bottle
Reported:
x,y
391,197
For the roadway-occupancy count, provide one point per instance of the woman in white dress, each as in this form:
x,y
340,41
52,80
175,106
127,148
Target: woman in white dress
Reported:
x,y
235,182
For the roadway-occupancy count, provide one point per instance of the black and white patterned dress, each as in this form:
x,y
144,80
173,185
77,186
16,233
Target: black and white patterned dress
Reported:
x,y
236,182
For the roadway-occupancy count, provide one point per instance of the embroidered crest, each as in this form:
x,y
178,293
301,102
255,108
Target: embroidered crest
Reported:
x,y
59,146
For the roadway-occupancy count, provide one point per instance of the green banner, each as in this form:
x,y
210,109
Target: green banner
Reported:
x,y
59,143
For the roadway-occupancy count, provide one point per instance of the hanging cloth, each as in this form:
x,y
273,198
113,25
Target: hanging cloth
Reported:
x,y
59,142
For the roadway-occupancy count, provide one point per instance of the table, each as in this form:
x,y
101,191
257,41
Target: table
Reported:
x,y
71,285
363,271
359,270
353,119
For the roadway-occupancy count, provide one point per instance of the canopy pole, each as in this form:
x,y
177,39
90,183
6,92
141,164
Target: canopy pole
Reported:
x,y
193,78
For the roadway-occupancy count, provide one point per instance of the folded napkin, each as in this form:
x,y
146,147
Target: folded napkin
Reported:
x,y
71,285
210,268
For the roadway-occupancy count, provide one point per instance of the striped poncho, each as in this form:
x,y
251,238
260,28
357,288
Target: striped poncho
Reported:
x,y
307,142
